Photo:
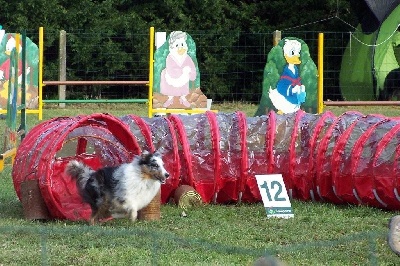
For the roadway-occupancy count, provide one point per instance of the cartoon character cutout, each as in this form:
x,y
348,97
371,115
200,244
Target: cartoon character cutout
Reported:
x,y
290,93
7,44
176,74
5,66
290,79
179,70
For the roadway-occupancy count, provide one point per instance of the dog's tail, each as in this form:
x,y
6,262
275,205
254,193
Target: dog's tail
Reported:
x,y
80,172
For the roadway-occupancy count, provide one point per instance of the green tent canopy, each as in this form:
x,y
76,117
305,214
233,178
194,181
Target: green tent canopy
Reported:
x,y
370,69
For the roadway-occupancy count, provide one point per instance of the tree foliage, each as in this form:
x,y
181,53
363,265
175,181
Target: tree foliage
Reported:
x,y
222,27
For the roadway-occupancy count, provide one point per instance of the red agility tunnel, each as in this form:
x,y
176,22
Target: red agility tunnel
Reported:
x,y
348,159
98,140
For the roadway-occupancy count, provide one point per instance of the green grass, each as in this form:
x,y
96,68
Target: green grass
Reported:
x,y
237,234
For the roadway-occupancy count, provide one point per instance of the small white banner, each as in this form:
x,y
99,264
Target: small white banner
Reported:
x,y
274,196
160,38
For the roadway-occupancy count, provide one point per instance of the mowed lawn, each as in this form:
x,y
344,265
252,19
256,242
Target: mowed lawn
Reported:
x,y
235,234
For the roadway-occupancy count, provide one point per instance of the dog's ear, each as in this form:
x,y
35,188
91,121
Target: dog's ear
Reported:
x,y
157,154
144,157
159,151
161,148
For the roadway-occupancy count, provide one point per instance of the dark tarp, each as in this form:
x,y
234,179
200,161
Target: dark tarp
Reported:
x,y
371,13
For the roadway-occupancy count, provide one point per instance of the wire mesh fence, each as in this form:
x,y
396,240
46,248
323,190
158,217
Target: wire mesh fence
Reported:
x,y
231,64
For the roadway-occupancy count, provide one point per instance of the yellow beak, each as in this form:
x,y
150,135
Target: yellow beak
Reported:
x,y
181,51
293,59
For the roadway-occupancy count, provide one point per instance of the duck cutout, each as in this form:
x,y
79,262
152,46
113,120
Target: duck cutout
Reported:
x,y
179,70
290,93
5,66
176,78
7,44
290,79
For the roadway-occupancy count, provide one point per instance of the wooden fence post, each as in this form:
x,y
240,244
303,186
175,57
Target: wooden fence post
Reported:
x,y
276,37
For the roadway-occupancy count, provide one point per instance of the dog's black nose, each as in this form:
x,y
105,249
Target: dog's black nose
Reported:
x,y
166,175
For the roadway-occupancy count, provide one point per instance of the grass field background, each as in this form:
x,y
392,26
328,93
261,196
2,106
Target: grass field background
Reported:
x,y
237,234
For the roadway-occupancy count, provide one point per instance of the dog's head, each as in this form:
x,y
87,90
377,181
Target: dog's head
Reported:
x,y
153,165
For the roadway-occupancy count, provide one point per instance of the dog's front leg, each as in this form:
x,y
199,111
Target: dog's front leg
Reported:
x,y
98,213
94,217
92,220
133,215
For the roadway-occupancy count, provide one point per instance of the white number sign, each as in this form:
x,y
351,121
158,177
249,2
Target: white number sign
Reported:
x,y
274,196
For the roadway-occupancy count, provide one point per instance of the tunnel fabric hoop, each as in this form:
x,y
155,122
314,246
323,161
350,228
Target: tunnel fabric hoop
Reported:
x,y
325,154
351,158
257,151
283,132
244,162
318,132
215,138
185,155
384,171
364,153
308,126
45,151
140,130
231,128
198,150
342,179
